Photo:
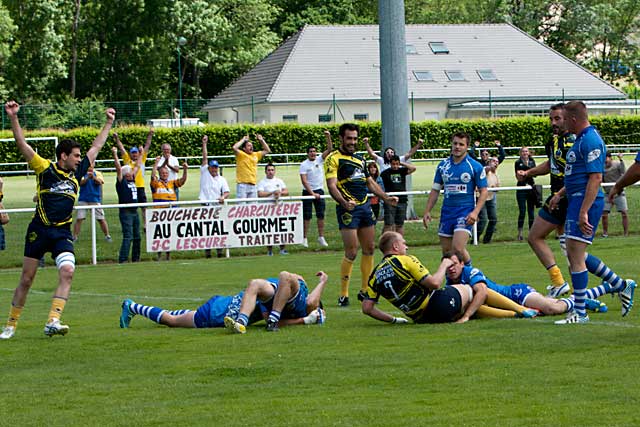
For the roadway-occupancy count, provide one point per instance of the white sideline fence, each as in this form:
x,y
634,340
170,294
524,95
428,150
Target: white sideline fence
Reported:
x,y
93,208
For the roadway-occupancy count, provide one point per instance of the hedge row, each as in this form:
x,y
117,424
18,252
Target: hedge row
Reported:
x,y
292,138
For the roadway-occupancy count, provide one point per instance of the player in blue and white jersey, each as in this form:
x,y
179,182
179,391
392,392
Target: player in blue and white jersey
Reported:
x,y
520,293
582,178
254,303
458,176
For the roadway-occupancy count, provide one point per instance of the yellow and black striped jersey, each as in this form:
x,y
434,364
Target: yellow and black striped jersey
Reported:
x,y
351,173
57,190
556,150
397,278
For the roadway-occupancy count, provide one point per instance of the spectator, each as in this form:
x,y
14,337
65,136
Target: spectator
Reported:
x,y
172,163
484,153
312,178
129,219
163,189
91,195
395,180
273,188
4,218
525,198
384,162
489,212
374,200
247,166
213,186
613,171
131,158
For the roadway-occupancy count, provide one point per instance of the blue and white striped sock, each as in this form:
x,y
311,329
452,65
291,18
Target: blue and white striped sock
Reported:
x,y
178,312
569,302
150,312
274,316
600,269
243,319
580,281
598,291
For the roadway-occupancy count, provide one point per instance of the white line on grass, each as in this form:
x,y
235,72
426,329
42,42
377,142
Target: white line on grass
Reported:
x,y
91,294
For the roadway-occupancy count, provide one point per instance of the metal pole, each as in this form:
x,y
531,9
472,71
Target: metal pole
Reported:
x,y
563,95
179,86
334,107
94,250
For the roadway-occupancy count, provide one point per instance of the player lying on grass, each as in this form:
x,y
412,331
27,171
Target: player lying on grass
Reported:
x,y
257,301
408,285
520,293
286,300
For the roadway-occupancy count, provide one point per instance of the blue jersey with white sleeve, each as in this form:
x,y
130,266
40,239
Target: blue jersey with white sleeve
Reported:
x,y
638,157
517,293
471,276
459,181
586,156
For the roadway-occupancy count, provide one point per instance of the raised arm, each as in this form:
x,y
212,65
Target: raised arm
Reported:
x,y
154,171
183,178
205,158
97,144
147,143
414,149
435,281
265,147
372,153
119,143
116,162
329,149
12,108
410,168
501,153
236,146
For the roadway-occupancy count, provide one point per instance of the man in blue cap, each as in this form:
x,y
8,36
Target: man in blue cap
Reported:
x,y
213,186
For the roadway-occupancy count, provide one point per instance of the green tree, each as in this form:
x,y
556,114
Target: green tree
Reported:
x,y
6,33
37,59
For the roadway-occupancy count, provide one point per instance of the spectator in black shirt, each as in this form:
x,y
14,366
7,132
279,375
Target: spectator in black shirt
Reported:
x,y
395,180
525,197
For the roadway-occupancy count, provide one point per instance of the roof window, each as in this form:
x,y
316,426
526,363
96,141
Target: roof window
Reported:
x,y
439,48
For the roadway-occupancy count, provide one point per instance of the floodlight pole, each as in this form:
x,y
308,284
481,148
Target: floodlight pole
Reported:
x,y
181,42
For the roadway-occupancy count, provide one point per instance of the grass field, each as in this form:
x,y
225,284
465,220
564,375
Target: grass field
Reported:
x,y
353,371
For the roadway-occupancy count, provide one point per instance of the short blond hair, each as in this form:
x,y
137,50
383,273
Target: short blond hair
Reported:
x,y
387,240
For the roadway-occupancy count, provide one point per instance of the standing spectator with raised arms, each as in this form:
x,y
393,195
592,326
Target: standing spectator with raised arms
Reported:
x,y
395,180
312,178
384,161
129,219
50,228
172,163
459,176
247,166
213,186
349,182
484,153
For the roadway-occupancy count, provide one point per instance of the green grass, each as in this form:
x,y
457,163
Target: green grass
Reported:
x,y
353,371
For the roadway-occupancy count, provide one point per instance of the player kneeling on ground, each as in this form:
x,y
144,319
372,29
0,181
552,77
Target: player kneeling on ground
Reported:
x,y
250,306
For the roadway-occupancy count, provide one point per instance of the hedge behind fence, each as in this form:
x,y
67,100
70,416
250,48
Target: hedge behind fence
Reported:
x,y
292,138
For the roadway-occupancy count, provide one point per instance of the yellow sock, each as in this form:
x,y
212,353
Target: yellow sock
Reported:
x,y
366,267
345,276
496,300
57,307
555,275
14,315
486,311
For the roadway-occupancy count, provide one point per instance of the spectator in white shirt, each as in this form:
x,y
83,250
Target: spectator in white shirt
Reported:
x,y
213,186
312,178
172,164
273,188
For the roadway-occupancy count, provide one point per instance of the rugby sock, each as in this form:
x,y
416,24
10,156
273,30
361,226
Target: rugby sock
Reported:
x,y
600,269
178,312
580,281
496,300
486,311
274,316
569,302
14,315
345,276
366,267
555,275
150,312
57,307
243,319
562,239
598,291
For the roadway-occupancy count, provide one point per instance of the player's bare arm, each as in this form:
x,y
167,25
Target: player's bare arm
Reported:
x,y
375,189
12,108
99,141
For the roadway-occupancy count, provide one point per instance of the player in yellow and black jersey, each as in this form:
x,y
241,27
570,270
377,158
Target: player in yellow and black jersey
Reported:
x,y
349,182
553,213
50,228
422,296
